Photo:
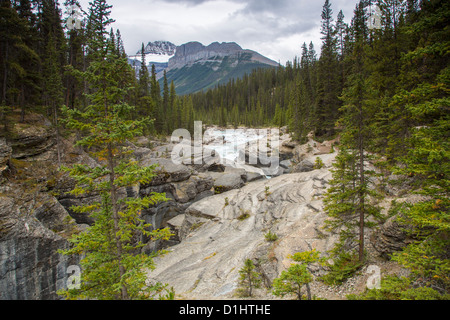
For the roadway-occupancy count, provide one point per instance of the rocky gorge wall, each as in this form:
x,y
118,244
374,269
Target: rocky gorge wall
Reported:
x,y
219,214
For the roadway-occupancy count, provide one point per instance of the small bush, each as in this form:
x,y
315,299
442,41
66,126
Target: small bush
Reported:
x,y
271,237
243,216
319,163
344,267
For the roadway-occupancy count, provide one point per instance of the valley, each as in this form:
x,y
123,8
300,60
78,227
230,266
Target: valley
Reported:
x,y
210,172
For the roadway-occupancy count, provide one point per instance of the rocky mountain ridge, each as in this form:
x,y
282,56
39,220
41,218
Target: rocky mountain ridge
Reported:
x,y
159,47
195,52
194,67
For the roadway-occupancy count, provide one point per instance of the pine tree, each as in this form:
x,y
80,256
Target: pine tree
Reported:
x,y
155,93
341,28
165,104
292,280
352,196
112,267
426,103
53,87
329,88
76,59
143,97
249,279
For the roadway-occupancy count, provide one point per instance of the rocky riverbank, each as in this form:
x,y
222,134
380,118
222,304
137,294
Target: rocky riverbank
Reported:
x,y
219,214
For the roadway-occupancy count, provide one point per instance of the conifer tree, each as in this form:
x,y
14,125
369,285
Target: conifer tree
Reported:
x,y
144,102
329,88
76,43
28,80
112,265
249,279
165,104
352,195
426,102
292,280
155,93
53,87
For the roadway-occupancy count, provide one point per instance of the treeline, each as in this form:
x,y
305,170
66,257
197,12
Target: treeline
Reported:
x,y
306,94
42,52
382,84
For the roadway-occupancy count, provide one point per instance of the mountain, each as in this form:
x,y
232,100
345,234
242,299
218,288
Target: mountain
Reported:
x,y
157,53
195,67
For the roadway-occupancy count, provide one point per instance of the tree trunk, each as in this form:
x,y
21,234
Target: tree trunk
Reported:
x,y
308,291
5,73
361,188
58,139
115,206
22,103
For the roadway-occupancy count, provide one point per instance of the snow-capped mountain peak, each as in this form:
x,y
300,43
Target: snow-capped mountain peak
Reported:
x,y
158,52
160,48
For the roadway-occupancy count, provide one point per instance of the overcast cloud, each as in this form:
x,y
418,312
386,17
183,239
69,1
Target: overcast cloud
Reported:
x,y
276,29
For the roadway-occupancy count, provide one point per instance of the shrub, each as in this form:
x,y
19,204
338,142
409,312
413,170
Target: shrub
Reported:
x,y
271,237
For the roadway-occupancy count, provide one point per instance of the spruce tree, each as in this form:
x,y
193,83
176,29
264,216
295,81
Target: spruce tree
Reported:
x,y
155,93
249,279
112,265
329,87
144,102
76,43
53,87
426,161
352,196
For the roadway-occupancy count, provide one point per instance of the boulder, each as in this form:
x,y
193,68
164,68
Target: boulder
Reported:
x,y
31,140
392,236
304,166
226,181
188,190
167,171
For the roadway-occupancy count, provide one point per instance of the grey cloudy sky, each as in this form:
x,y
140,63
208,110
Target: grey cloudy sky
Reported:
x,y
275,29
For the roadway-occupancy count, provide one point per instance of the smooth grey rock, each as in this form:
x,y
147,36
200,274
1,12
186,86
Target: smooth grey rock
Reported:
x,y
30,266
228,181
206,263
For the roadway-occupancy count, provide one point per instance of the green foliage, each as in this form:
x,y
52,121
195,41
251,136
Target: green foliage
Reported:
x,y
318,163
112,265
400,288
384,91
244,216
249,279
292,280
271,237
267,191
344,266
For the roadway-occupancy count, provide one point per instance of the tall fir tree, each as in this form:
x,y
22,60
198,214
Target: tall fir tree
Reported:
x,y
329,87
112,265
352,197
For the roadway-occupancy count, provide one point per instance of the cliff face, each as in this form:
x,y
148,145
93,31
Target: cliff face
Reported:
x,y
30,236
192,52
195,52
33,223
196,67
